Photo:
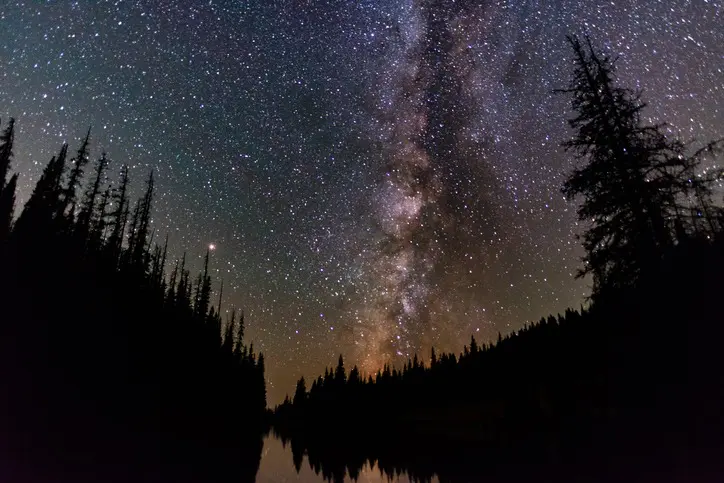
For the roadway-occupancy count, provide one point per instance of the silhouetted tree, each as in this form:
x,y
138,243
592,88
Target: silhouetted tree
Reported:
x,y
142,220
45,202
7,207
7,188
203,295
626,184
76,175
340,377
354,377
300,393
6,151
88,202
119,217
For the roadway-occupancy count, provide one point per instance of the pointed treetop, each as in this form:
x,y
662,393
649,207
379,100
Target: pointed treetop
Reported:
x,y
6,151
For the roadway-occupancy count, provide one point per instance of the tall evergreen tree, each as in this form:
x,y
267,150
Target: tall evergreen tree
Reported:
x,y
300,393
7,188
203,295
46,200
260,388
99,220
354,377
239,342
88,203
7,207
138,242
119,217
340,377
6,151
633,178
76,174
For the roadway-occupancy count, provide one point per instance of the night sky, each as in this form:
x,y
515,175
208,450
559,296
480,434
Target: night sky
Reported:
x,y
377,176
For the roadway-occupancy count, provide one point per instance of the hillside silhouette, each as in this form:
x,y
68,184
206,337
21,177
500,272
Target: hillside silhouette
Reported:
x,y
117,365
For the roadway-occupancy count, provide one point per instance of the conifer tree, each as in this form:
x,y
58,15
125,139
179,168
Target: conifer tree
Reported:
x,y
7,207
99,223
76,175
119,217
7,188
260,388
88,203
340,376
45,202
6,151
142,220
239,331
354,377
300,393
203,290
624,192
229,344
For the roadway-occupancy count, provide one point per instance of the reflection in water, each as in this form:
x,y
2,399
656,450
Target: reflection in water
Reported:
x,y
278,465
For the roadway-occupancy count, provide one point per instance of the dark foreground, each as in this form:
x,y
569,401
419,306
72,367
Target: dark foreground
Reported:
x,y
630,389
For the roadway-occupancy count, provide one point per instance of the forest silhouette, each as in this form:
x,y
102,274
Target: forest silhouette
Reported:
x,y
112,370
632,384
118,366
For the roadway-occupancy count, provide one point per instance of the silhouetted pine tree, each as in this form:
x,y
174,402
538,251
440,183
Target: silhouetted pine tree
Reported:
x,y
7,207
203,290
142,225
88,202
41,210
7,188
260,386
300,393
6,151
340,376
99,220
635,180
354,377
76,176
119,217
239,331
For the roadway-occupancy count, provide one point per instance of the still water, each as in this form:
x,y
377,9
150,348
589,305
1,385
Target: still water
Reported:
x,y
277,466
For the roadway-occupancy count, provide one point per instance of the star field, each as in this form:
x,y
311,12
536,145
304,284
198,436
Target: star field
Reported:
x,y
376,176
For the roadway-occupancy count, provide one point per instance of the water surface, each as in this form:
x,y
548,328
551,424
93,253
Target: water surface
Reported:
x,y
277,465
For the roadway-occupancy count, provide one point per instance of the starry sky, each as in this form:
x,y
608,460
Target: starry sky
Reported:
x,y
377,176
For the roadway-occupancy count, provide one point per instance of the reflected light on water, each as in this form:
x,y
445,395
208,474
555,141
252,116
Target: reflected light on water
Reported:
x,y
277,466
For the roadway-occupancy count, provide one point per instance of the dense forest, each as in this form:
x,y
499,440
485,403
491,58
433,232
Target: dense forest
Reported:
x,y
112,369
632,383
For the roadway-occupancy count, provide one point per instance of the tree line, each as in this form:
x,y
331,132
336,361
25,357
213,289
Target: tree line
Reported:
x,y
633,378
107,347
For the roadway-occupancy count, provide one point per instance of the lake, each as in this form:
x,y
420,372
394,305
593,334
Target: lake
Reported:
x,y
277,465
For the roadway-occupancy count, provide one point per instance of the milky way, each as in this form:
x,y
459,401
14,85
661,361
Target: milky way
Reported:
x,y
377,176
